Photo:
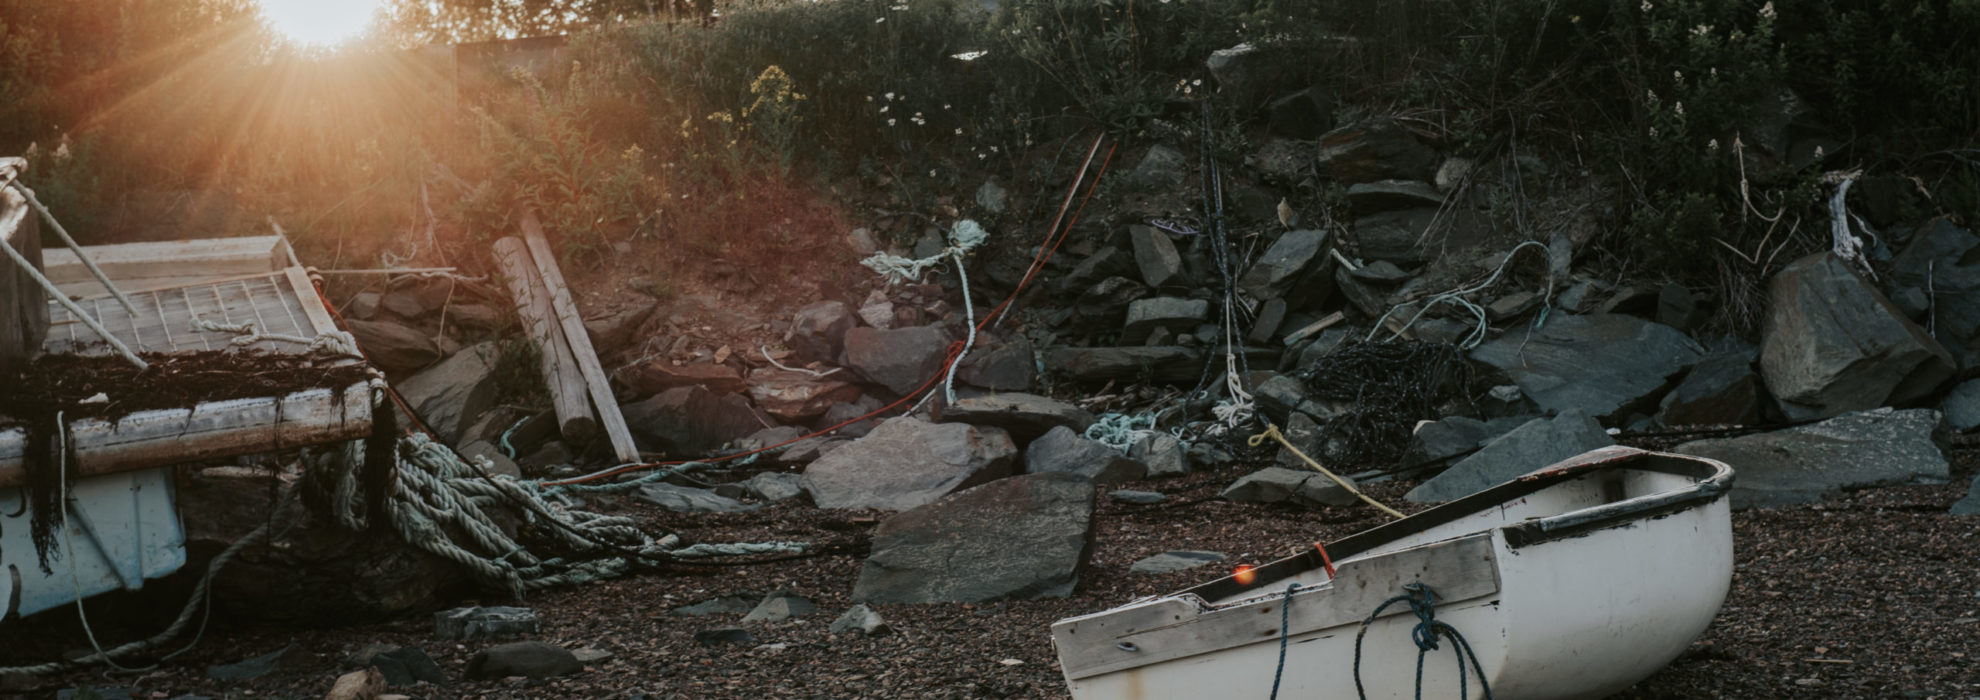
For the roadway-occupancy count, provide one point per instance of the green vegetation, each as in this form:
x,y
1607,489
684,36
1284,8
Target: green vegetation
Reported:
x,y
719,137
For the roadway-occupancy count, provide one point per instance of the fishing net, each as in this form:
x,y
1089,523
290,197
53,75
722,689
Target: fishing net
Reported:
x,y
1390,385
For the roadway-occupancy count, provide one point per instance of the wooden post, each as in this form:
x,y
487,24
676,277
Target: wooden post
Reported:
x,y
23,308
560,369
587,359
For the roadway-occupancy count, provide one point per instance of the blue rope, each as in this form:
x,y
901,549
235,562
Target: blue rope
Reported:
x,y
1424,604
1285,625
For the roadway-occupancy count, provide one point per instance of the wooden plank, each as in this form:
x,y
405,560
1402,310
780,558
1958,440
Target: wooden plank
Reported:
x,y
312,305
559,367
209,430
1294,337
131,262
574,333
1455,570
23,311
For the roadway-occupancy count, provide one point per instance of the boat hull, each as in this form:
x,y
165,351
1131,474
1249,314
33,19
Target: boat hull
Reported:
x,y
1573,582
122,530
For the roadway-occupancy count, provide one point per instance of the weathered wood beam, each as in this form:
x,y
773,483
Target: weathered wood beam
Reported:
x,y
587,359
560,369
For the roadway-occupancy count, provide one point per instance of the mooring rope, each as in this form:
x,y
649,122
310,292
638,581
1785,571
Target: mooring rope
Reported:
x,y
1428,628
1455,297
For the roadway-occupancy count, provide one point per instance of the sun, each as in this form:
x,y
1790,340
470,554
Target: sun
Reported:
x,y
320,23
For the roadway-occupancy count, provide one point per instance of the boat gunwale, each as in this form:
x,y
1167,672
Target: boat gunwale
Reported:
x,y
1714,481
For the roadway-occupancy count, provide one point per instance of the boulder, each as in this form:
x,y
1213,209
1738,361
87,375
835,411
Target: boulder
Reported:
x,y
844,411
1376,149
1271,315
1540,443
818,331
1831,343
1282,265
660,374
1603,365
1020,538
1000,365
1063,451
1155,255
688,499
1962,406
1301,487
1939,269
1163,454
1304,115
1175,314
1279,395
1161,364
527,659
907,462
1453,436
1808,463
900,360
797,396
363,684
1720,390
476,622
1170,562
394,348
450,395
1396,236
692,420
1025,416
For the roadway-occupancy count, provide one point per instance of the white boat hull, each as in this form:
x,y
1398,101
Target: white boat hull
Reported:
x,y
122,529
1596,573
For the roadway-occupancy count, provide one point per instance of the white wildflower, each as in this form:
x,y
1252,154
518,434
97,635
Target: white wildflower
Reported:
x,y
1767,11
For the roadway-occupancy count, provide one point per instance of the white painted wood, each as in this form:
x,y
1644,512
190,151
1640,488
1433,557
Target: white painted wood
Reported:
x,y
559,368
580,342
279,303
124,529
208,430
1577,616
131,265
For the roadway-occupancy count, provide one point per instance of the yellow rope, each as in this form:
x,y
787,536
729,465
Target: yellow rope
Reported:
x,y
1272,431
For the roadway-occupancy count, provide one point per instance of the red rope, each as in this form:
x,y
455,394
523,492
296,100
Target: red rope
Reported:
x,y
1046,249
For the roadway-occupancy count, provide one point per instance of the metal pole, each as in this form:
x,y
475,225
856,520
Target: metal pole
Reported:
x,y
70,304
80,255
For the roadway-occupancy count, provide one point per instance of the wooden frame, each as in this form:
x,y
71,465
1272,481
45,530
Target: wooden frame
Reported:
x,y
161,264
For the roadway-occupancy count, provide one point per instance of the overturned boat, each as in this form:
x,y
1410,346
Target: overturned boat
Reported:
x,y
1574,581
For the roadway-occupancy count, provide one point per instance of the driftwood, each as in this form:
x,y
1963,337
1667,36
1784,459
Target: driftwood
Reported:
x,y
574,333
560,369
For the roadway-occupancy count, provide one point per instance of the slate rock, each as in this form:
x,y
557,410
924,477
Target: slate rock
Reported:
x,y
1155,255
1060,450
1271,315
1970,505
396,349
1106,302
402,665
1025,416
1453,436
499,464
364,684
1376,149
1000,365
720,605
1304,433
1603,365
1396,236
863,620
363,306
528,659
960,549
780,606
877,311
818,330
797,396
810,450
1282,265
1163,455
1172,313
1303,115
660,374
1540,443
1137,498
1106,262
1809,463
1831,343
1962,406
692,420
249,669
907,462
612,330
900,360
688,499
774,486
1279,395
479,622
724,635
1161,364
1941,259
1301,487
1161,167
1720,390
1385,195
1170,562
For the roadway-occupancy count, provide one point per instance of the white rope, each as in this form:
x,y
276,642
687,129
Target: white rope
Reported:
x,y
969,310
1455,297
333,343
779,365
696,551
1121,431
965,236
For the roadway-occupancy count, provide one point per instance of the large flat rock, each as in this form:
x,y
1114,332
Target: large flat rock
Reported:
x,y
1539,443
1603,365
1020,538
1026,416
1855,450
900,360
907,462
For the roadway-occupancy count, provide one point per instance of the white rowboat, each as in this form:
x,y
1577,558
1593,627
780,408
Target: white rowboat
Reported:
x,y
1574,581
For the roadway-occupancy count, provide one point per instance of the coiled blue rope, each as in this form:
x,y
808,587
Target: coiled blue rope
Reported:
x,y
1424,604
